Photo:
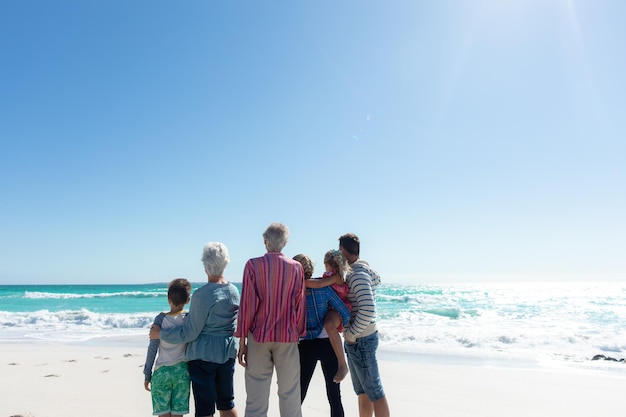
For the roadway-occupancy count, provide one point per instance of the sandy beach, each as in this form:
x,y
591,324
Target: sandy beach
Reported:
x,y
72,380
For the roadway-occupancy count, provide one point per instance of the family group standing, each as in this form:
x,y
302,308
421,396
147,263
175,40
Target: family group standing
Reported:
x,y
285,321
211,350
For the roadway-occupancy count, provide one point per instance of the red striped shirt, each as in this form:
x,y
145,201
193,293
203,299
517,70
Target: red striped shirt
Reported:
x,y
272,305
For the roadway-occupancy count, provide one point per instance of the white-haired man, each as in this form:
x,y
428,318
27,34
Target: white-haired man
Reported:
x,y
272,318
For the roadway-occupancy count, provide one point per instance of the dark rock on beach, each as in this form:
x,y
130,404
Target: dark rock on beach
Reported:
x,y
607,358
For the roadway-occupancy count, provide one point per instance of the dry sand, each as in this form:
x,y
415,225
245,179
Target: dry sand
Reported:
x,y
77,380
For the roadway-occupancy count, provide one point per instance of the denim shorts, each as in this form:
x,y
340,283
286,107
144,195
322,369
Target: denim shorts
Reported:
x,y
212,385
364,367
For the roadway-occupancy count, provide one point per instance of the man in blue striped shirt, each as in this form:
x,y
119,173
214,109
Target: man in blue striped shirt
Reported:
x,y
361,335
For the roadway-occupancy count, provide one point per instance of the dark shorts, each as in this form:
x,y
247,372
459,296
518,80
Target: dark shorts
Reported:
x,y
212,385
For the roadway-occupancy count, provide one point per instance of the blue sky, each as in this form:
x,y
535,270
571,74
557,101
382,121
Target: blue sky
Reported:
x,y
461,140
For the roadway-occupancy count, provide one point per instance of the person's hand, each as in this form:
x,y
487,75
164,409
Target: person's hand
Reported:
x,y
155,332
242,354
146,385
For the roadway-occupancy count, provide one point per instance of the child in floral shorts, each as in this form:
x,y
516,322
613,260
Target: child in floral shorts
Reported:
x,y
169,384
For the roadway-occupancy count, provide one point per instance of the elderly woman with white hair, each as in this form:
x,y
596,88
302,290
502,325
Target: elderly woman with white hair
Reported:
x,y
208,330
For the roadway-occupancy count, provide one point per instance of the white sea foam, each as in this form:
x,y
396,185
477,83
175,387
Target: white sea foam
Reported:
x,y
533,322
67,296
71,324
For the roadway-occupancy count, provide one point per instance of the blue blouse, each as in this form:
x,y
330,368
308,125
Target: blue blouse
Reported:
x,y
209,325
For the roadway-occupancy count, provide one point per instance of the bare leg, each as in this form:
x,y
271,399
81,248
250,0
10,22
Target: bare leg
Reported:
x,y
228,413
378,408
331,322
366,407
225,413
381,407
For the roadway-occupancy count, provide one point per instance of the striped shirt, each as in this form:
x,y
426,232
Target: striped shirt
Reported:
x,y
362,281
272,305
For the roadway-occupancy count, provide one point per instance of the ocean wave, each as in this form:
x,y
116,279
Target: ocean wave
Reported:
x,y
567,322
613,348
421,332
36,295
74,320
452,312
407,299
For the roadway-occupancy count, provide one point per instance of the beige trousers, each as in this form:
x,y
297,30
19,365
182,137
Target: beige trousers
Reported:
x,y
262,358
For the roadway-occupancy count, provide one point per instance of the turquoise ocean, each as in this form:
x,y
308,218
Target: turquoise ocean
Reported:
x,y
557,323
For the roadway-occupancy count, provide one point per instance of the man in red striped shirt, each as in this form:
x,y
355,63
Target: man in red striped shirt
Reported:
x,y
272,318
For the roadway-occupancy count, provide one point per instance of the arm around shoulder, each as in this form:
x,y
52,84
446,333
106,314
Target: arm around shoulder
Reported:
x,y
323,282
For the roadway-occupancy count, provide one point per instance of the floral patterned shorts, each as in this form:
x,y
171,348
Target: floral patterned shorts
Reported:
x,y
170,390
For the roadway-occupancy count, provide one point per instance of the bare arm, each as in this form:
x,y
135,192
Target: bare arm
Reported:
x,y
242,353
323,282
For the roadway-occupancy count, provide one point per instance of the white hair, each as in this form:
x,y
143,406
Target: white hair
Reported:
x,y
276,236
215,258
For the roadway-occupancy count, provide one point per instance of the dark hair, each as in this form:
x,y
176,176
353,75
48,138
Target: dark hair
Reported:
x,y
178,291
351,243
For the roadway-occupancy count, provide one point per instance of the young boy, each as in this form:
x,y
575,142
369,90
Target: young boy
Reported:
x,y
170,383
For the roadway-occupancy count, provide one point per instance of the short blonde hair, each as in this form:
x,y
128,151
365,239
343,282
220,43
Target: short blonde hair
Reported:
x,y
335,259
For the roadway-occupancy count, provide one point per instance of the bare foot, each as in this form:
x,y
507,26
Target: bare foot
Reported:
x,y
342,371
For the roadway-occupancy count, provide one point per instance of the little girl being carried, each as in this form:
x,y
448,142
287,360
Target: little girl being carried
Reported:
x,y
336,269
